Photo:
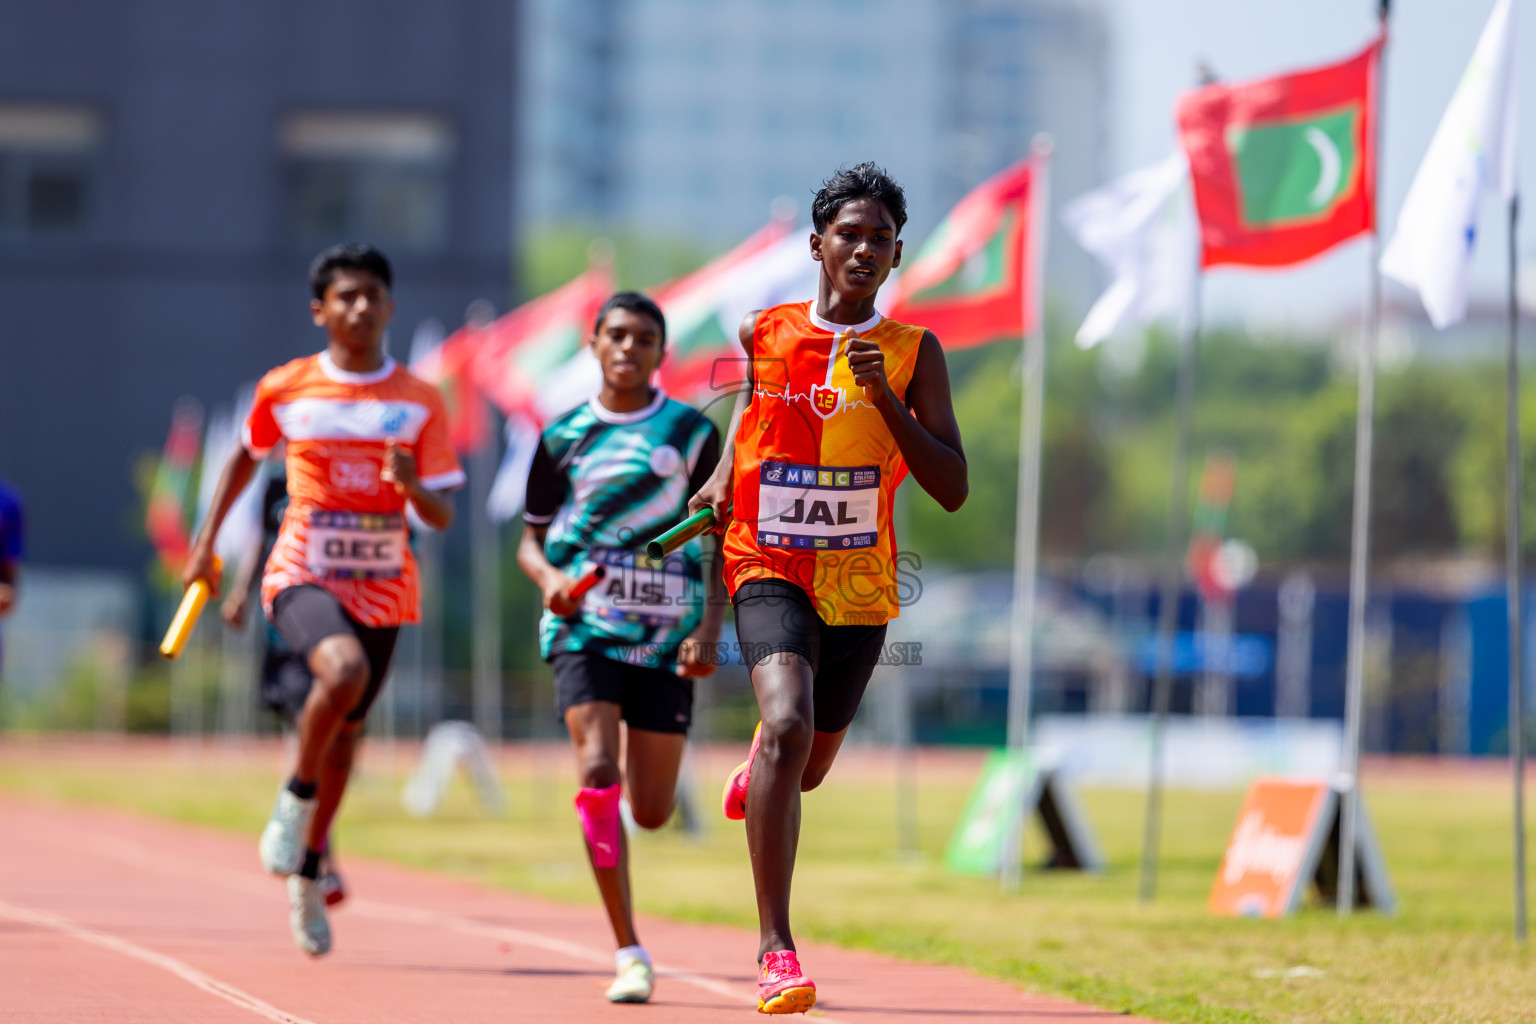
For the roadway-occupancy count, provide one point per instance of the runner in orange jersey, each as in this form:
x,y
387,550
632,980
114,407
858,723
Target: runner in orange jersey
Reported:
x,y
842,404
364,438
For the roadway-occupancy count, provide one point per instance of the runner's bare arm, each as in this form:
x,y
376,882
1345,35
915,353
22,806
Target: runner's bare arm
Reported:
x,y
233,609
200,564
696,654
434,507
926,433
552,583
716,493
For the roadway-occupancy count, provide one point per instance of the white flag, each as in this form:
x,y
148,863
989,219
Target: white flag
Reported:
x,y
426,346
1473,149
1141,228
510,488
783,273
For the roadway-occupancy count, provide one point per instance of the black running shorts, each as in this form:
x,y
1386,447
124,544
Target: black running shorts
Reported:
x,y
776,617
307,614
652,699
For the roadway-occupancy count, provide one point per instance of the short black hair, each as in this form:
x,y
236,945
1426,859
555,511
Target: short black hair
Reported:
x,y
865,180
348,256
633,302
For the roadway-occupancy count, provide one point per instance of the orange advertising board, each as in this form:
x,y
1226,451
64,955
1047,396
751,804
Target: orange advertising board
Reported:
x,y
1280,831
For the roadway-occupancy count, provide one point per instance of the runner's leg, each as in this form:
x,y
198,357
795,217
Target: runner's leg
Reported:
x,y
594,729
341,670
824,748
378,646
331,783
657,708
782,682
651,764
313,624
849,655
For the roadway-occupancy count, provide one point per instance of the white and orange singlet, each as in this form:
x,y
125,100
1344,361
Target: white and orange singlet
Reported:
x,y
345,526
816,467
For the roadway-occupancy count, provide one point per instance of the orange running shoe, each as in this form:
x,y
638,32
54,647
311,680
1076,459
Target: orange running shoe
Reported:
x,y
782,987
734,799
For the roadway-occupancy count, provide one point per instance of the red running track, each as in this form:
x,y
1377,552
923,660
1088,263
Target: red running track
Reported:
x,y
110,918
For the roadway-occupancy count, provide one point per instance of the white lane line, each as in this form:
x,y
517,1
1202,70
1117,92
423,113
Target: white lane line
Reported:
x,y
131,852
574,950
186,972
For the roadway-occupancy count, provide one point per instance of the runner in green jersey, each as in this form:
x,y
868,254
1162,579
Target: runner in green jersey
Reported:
x,y
606,477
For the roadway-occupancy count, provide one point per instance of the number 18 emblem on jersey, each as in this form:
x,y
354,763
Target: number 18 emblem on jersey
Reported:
x,y
826,401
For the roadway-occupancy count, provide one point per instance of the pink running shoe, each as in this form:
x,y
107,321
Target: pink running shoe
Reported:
x,y
734,799
782,986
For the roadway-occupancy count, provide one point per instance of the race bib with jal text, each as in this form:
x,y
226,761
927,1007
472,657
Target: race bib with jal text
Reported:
x,y
833,508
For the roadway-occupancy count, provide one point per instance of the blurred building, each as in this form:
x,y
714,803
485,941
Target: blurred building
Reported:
x,y
1437,659
684,119
168,168
1408,336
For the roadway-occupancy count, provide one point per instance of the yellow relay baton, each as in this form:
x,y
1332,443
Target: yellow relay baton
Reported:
x,y
192,603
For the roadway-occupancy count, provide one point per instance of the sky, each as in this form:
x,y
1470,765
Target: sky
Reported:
x,y
1156,44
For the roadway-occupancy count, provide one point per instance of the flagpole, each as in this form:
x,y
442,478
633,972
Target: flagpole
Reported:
x,y
1026,541
1173,567
1173,575
429,706
485,573
1514,591
1360,534
1026,538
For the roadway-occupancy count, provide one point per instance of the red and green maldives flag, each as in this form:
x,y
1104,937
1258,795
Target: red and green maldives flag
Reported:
x,y
971,283
447,364
167,516
1284,169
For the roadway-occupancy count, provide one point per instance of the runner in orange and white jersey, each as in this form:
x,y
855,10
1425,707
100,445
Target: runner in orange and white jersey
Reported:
x,y
345,526
842,404
364,439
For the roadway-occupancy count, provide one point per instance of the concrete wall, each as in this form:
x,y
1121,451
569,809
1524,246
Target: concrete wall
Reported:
x,y
186,281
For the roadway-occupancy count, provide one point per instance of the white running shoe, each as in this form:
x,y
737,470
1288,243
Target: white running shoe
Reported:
x,y
282,841
634,982
306,916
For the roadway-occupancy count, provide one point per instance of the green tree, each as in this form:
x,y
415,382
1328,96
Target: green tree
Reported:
x,y
550,255
1479,473
1075,477
985,385
1420,423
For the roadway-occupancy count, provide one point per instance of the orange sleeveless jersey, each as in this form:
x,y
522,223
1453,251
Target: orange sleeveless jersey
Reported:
x,y
816,467
345,527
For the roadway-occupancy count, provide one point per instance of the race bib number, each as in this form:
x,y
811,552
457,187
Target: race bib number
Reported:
x,y
832,508
655,594
355,545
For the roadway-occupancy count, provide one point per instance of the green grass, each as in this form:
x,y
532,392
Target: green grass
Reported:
x,y
1446,956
